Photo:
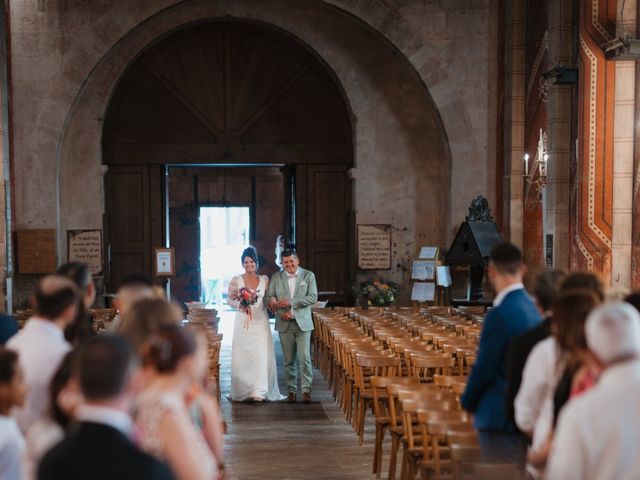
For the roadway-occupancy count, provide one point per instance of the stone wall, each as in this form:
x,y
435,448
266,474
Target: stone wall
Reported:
x,y
418,75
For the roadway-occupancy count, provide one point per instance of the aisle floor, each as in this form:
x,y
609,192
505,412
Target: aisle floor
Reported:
x,y
323,447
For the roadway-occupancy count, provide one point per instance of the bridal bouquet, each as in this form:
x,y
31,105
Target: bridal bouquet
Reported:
x,y
247,298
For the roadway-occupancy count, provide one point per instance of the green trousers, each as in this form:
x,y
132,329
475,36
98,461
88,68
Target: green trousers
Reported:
x,y
296,343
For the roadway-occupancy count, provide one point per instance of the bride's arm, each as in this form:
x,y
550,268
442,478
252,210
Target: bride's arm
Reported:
x,y
232,294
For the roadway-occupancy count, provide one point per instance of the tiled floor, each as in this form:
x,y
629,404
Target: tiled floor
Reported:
x,y
319,449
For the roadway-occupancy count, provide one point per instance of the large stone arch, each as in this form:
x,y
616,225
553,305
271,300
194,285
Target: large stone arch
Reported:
x,y
402,155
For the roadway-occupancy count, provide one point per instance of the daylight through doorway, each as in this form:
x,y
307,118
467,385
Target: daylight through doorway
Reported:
x,y
224,234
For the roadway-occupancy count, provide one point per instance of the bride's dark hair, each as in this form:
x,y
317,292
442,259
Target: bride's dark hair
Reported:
x,y
251,253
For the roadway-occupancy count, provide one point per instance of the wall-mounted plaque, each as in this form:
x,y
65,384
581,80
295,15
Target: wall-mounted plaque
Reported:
x,y
374,247
164,262
85,246
423,270
423,292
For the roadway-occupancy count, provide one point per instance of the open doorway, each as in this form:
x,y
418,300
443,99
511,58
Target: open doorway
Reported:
x,y
224,234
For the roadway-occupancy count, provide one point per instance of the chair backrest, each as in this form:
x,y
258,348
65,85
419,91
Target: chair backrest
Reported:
x,y
426,367
373,365
411,408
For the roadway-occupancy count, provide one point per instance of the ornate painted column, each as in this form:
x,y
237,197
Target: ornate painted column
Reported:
x,y
592,179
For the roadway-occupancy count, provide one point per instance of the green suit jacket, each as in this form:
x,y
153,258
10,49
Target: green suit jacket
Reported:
x,y
306,295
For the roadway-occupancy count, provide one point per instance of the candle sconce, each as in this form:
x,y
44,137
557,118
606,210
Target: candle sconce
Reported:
x,y
536,173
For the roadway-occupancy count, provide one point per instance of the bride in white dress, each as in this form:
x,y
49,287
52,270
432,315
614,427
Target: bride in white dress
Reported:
x,y
254,373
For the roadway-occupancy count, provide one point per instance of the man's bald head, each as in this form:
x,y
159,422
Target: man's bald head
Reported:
x,y
56,296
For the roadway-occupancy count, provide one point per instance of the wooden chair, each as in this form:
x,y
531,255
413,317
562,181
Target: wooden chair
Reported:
x,y
426,367
365,368
445,381
412,438
433,428
381,410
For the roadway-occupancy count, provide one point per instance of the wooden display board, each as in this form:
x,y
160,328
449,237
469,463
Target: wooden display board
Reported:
x,y
374,247
36,251
85,246
423,270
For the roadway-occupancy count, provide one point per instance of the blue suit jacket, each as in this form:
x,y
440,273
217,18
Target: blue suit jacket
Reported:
x,y
487,386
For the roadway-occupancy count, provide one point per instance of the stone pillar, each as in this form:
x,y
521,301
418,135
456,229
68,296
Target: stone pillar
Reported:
x,y
514,122
623,153
6,263
559,135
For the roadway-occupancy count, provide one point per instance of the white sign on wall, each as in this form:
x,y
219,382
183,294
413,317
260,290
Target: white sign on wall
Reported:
x,y
85,246
374,247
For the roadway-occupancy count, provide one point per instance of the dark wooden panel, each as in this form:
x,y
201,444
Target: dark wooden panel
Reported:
x,y
227,92
329,220
185,239
125,263
128,205
331,271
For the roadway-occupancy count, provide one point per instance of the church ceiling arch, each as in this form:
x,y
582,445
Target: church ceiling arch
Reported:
x,y
227,92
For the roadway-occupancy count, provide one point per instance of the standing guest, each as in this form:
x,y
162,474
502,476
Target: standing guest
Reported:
x,y
162,415
8,327
99,446
50,429
145,317
82,327
545,289
12,394
514,312
132,288
598,432
291,294
534,401
41,344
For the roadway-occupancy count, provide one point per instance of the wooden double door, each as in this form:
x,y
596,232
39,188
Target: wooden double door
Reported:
x,y
151,206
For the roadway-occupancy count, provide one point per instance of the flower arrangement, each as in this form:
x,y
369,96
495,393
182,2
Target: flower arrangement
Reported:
x,y
378,293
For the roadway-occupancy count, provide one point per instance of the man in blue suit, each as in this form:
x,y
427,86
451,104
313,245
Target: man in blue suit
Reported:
x,y
514,313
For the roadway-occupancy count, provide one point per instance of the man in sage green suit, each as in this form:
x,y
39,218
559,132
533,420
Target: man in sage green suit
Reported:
x,y
291,294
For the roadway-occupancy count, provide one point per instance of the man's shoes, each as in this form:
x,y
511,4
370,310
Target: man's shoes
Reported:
x,y
306,397
291,398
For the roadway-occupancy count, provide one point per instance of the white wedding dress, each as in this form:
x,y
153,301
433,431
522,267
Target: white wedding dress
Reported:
x,y
253,360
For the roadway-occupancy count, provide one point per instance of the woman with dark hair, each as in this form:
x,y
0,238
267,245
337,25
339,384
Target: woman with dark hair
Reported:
x,y
82,326
65,398
253,361
162,414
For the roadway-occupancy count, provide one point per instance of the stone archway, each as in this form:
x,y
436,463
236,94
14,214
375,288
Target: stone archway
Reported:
x,y
397,126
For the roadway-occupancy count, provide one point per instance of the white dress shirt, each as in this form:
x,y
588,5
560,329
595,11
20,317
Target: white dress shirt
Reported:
x,y
501,296
11,449
41,347
106,416
293,279
598,433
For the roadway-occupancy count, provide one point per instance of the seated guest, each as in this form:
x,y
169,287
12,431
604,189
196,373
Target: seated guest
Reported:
x,y
41,344
514,313
598,433
145,317
633,299
50,429
162,416
12,394
99,446
82,327
545,288
8,327
133,288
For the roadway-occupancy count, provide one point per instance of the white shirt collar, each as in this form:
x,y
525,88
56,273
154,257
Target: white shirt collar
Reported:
x,y
502,295
292,275
45,325
106,416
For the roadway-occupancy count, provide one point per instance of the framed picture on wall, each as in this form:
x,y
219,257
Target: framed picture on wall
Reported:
x,y
164,262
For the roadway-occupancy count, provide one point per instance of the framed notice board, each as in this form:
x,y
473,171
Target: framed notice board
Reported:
x,y
85,246
374,247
